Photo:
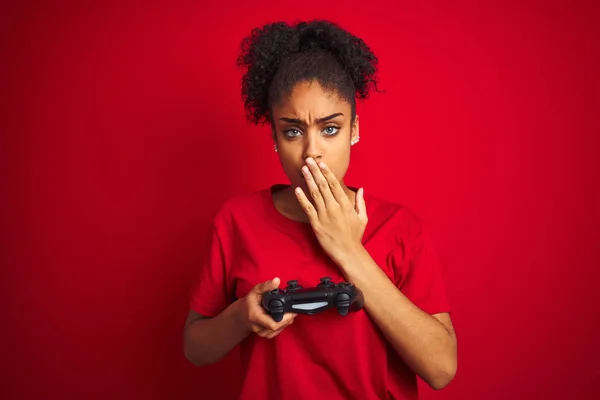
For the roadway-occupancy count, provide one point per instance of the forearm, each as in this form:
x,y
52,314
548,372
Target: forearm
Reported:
x,y
208,340
423,342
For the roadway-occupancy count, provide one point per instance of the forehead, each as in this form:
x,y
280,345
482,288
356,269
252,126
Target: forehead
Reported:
x,y
310,99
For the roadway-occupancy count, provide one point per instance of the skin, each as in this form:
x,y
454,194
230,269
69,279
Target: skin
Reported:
x,y
315,156
308,137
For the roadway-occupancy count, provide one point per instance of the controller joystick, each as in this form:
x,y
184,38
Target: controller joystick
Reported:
x,y
344,296
325,282
292,286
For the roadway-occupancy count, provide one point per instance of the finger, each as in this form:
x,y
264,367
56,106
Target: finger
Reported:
x,y
256,328
307,206
267,286
321,182
334,185
266,321
361,206
272,334
313,189
288,318
263,333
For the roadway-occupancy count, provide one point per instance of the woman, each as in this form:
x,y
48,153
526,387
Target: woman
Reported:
x,y
303,80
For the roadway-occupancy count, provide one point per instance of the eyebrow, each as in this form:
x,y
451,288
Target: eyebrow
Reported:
x,y
320,120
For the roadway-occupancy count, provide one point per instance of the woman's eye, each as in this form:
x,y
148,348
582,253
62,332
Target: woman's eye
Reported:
x,y
331,130
292,132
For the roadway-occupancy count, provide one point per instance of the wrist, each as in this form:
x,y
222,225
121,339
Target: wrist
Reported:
x,y
350,256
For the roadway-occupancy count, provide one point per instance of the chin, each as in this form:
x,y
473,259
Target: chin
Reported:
x,y
299,183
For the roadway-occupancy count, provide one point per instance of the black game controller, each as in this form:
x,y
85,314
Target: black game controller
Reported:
x,y
345,296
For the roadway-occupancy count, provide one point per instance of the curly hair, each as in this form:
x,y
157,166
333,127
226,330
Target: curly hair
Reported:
x,y
277,56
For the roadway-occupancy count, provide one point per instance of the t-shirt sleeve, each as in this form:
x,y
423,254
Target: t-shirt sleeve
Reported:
x,y
210,294
419,273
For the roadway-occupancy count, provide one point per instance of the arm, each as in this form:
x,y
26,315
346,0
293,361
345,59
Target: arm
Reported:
x,y
208,340
427,343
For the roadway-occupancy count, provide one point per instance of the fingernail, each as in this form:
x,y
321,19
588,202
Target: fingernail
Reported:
x,y
322,165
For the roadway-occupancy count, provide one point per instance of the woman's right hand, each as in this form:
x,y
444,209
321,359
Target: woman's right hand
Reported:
x,y
256,318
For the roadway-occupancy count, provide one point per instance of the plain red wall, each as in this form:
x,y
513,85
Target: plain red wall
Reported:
x,y
123,132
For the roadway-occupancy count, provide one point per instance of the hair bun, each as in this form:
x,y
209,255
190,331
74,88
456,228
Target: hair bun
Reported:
x,y
313,36
264,51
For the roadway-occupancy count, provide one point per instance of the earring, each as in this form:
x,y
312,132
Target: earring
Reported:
x,y
354,141
275,146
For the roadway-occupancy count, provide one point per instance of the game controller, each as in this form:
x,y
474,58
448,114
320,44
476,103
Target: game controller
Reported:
x,y
294,298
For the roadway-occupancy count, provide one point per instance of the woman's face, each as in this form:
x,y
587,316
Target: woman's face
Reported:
x,y
313,123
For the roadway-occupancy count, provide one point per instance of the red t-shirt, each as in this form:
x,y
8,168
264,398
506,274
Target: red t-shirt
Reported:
x,y
340,357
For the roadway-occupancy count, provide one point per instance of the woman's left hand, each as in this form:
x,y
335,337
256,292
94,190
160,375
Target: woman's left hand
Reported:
x,y
338,224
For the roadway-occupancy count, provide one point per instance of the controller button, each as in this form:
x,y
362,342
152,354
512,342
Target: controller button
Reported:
x,y
342,297
325,282
343,311
275,304
292,286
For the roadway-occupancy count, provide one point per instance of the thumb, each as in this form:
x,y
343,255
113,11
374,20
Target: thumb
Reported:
x,y
268,285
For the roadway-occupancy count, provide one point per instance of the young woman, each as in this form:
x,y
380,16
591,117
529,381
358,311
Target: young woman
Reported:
x,y
303,80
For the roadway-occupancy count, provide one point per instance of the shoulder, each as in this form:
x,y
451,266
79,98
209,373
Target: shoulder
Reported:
x,y
240,207
395,216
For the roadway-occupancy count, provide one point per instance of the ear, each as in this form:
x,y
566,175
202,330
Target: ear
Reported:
x,y
354,134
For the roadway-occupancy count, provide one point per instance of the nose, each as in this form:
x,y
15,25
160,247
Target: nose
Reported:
x,y
312,148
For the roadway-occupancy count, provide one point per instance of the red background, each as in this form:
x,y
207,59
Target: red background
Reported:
x,y
123,131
